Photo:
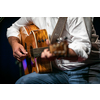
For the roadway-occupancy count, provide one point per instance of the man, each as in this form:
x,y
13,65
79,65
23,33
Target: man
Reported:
x,y
65,71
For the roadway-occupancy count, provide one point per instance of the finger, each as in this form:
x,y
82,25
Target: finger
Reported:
x,y
15,55
23,50
19,59
43,55
47,53
20,55
47,42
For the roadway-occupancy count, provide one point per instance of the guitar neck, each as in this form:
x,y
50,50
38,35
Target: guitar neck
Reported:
x,y
58,49
37,51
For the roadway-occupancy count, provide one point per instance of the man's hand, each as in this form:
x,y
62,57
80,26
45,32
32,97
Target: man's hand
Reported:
x,y
46,53
19,52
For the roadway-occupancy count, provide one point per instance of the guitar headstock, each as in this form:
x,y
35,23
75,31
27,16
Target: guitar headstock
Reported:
x,y
59,49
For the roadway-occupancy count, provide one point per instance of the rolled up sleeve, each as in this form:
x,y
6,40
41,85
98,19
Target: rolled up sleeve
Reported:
x,y
14,29
80,39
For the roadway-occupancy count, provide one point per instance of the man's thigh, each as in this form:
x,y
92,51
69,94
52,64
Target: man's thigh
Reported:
x,y
57,77
78,76
94,74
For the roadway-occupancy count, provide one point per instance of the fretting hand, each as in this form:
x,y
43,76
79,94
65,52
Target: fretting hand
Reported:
x,y
46,53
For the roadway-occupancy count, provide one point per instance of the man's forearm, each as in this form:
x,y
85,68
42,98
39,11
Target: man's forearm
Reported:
x,y
71,53
72,56
18,50
12,40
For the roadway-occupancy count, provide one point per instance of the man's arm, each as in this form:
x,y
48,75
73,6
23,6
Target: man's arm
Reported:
x,y
18,50
46,54
14,38
80,40
80,45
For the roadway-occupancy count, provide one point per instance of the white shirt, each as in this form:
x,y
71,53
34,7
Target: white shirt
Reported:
x,y
75,30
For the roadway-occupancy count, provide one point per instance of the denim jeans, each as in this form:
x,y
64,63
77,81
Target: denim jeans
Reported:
x,y
76,76
94,74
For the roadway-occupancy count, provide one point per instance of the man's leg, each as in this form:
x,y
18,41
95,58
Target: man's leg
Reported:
x,y
94,74
78,75
56,77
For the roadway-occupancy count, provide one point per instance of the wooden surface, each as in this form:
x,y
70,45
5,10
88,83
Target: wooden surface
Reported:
x,y
32,36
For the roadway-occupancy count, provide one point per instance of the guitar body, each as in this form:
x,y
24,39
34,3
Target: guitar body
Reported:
x,y
33,37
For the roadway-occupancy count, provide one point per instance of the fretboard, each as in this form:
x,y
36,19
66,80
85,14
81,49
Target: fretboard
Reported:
x,y
37,51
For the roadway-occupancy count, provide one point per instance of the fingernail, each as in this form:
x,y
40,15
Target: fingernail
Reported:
x,y
26,53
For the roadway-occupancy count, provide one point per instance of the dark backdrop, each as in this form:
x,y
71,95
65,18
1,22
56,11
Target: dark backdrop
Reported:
x,y
96,23
9,70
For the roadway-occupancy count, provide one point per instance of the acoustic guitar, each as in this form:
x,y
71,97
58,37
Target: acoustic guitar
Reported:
x,y
34,41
